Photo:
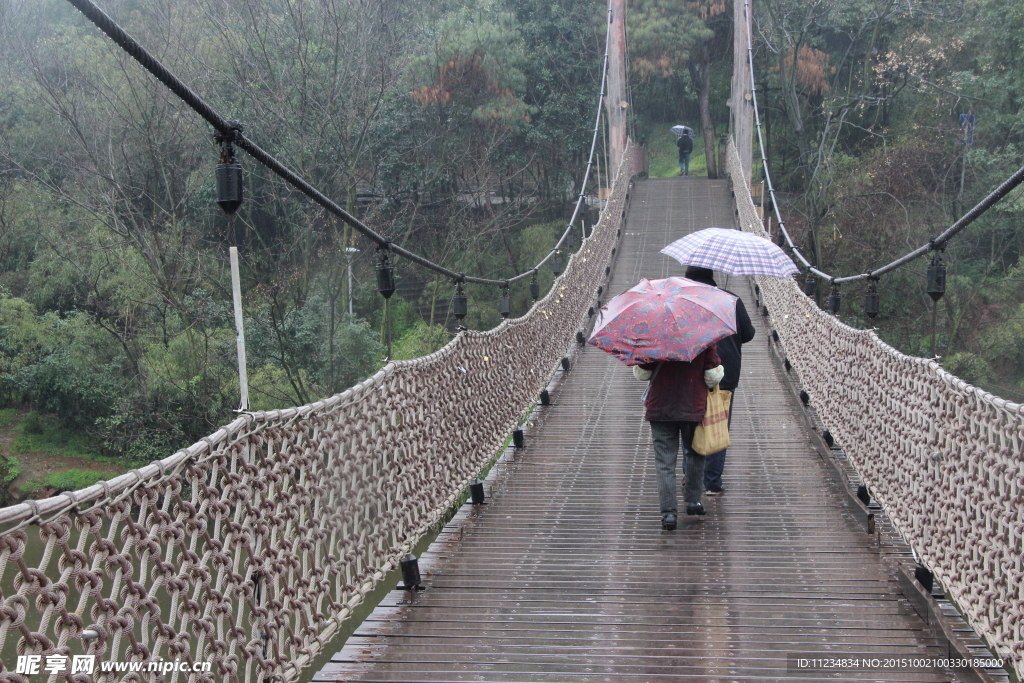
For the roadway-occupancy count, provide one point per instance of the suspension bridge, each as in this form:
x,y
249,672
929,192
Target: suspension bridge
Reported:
x,y
872,528
565,574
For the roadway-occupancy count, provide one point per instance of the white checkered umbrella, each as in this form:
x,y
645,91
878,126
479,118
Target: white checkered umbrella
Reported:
x,y
731,251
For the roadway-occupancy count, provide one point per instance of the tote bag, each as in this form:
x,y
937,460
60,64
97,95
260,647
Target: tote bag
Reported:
x,y
712,433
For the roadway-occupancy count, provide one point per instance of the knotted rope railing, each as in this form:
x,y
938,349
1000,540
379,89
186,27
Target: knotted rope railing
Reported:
x,y
249,548
944,458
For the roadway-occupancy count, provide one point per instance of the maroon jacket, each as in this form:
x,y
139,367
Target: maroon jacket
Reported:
x,y
678,392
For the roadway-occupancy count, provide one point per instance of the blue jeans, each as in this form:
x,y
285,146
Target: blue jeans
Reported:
x,y
716,461
665,436
684,163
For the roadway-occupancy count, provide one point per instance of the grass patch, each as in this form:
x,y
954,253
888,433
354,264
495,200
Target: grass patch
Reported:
x,y
663,155
37,433
8,416
30,488
73,480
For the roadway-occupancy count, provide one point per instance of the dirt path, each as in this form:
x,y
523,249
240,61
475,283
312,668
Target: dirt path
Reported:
x,y
36,466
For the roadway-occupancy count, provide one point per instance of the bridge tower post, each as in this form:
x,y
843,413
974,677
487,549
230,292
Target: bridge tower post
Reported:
x,y
615,100
741,100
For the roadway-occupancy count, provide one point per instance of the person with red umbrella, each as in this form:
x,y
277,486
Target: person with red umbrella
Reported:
x,y
667,329
674,406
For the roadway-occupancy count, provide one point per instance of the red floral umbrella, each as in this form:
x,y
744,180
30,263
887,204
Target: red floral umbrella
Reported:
x,y
672,319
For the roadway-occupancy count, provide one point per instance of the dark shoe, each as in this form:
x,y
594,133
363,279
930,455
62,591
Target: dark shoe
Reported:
x,y
668,521
695,509
714,492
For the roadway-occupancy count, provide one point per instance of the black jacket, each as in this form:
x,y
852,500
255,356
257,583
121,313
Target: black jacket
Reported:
x,y
730,348
685,144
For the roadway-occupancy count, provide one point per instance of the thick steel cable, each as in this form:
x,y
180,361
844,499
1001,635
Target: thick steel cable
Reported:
x,y
230,130
968,218
939,242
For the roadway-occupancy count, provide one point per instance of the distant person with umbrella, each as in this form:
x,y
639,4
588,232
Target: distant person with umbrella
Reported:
x,y
667,330
730,351
685,145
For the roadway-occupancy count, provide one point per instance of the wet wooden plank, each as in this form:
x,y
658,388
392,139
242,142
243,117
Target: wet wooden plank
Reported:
x,y
566,576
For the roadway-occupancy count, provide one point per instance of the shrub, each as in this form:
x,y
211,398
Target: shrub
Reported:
x,y
44,433
73,480
32,424
61,365
10,468
421,340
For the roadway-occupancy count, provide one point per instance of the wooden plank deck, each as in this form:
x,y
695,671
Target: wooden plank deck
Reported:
x,y
566,576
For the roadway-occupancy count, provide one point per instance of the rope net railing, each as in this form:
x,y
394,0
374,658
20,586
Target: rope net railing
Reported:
x,y
249,548
944,458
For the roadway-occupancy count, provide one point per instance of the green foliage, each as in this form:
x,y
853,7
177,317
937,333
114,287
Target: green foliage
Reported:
x,y
421,340
72,480
61,365
10,469
271,389
30,488
8,416
318,360
32,424
864,137
477,65
41,433
404,317
453,128
989,67
661,35
536,240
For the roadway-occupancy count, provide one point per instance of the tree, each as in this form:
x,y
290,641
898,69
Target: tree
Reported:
x,y
667,37
448,128
887,164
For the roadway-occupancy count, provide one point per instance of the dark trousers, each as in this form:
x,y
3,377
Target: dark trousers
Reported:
x,y
716,461
684,163
667,437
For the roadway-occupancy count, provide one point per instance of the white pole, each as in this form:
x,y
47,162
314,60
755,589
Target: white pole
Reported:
x,y
349,253
236,294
